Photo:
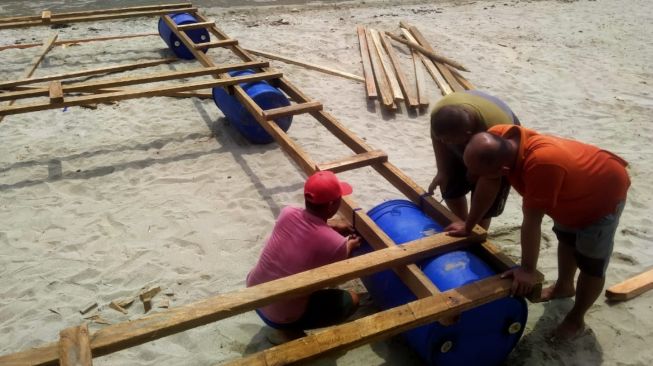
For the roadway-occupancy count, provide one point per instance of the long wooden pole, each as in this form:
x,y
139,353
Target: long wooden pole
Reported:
x,y
370,86
307,65
80,40
128,334
434,56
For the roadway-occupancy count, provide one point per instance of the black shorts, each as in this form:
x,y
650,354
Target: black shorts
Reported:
x,y
325,308
459,185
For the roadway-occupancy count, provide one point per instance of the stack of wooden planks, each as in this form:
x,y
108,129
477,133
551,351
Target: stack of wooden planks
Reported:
x,y
385,79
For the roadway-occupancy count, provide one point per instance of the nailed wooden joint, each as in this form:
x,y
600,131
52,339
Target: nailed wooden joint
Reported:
x,y
46,16
55,92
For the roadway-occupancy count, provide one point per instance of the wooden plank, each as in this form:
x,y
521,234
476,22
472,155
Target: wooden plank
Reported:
x,y
381,325
79,40
307,65
102,11
148,328
445,71
75,347
430,66
418,67
184,94
56,92
370,87
354,162
139,93
199,25
93,18
631,287
462,80
291,110
379,75
131,80
101,70
426,52
387,68
215,44
411,98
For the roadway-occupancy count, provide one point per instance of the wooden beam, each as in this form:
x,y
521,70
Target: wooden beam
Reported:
x,y
430,66
46,15
387,69
151,78
199,25
370,87
355,162
75,347
379,75
307,65
631,287
92,18
444,70
102,70
381,325
432,55
79,40
102,11
119,336
55,92
291,110
215,44
139,93
420,81
411,99
461,79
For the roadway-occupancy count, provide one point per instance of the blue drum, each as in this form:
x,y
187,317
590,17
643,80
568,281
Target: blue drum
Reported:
x,y
484,335
265,95
175,44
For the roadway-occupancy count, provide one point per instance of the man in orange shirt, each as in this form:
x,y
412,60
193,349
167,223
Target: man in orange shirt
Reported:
x,y
581,187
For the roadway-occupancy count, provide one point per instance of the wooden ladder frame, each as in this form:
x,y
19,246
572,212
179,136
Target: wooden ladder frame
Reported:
x,y
431,304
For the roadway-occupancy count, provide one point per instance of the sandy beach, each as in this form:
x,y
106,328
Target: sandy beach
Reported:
x,y
97,204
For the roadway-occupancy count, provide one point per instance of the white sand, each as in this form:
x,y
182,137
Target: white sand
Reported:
x,y
96,204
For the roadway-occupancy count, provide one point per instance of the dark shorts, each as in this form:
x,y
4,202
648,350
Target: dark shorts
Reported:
x,y
459,185
325,308
592,244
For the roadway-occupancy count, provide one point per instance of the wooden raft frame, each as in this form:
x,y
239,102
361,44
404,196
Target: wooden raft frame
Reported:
x,y
431,304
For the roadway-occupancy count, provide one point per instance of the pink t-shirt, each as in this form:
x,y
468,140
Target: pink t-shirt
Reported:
x,y
300,241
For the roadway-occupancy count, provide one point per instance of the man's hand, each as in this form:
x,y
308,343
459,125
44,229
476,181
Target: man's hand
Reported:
x,y
439,180
523,280
353,242
341,226
457,228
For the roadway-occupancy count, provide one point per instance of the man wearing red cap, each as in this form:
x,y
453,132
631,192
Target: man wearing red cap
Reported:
x,y
302,240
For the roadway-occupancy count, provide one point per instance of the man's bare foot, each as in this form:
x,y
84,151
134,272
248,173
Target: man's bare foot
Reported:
x,y
278,336
568,330
557,292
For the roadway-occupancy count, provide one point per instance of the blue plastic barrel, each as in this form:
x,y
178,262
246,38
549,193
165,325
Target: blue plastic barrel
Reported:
x,y
176,45
265,95
482,336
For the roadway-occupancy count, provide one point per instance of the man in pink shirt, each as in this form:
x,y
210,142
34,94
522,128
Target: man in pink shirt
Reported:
x,y
302,240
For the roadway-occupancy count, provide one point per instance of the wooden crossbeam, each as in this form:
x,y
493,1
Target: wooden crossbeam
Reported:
x,y
310,66
381,325
148,328
199,25
387,68
215,44
411,98
55,92
139,93
291,110
132,80
75,347
355,162
92,18
101,70
370,86
430,67
46,15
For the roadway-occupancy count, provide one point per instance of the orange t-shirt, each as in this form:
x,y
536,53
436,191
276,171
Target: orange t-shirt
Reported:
x,y
574,183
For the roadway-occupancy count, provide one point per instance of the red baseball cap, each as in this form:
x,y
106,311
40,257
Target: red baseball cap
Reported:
x,y
324,186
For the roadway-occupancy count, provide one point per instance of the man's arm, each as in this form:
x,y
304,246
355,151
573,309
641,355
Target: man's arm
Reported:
x,y
484,195
524,276
442,156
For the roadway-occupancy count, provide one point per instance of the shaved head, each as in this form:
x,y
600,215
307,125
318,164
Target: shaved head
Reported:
x,y
452,121
486,154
